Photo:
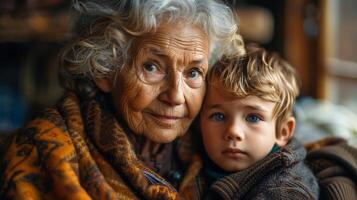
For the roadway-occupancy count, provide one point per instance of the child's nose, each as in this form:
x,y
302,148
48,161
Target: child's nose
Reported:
x,y
234,132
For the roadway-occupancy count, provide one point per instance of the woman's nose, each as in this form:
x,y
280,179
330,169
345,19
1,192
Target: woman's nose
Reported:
x,y
174,92
234,132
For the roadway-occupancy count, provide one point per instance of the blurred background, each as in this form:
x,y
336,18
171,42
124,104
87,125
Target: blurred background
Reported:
x,y
318,37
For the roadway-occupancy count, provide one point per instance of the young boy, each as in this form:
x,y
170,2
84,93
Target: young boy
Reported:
x,y
247,128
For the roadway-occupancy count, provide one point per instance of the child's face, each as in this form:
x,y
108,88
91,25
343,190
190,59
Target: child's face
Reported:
x,y
236,132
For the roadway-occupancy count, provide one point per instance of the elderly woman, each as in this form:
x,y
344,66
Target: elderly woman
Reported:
x,y
135,80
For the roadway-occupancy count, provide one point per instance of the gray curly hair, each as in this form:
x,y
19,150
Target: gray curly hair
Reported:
x,y
107,28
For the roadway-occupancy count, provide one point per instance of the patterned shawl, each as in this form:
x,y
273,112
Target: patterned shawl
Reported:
x,y
79,151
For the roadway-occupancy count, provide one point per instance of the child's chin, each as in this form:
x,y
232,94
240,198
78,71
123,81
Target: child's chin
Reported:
x,y
234,168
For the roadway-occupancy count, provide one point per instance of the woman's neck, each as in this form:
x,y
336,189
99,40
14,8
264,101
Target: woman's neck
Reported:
x,y
154,155
149,149
143,147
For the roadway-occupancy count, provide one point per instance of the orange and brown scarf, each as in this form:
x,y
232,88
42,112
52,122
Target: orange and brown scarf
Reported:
x,y
56,156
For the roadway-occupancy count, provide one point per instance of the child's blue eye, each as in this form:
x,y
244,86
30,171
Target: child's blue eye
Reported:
x,y
253,118
217,117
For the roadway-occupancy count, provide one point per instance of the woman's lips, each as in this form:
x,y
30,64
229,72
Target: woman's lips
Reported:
x,y
234,153
165,120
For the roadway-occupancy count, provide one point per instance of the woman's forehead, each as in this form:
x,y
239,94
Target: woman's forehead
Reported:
x,y
175,38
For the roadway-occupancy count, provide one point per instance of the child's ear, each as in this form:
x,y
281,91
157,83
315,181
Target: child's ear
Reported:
x,y
104,84
286,132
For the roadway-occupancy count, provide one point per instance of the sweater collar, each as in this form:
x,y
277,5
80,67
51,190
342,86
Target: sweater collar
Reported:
x,y
243,180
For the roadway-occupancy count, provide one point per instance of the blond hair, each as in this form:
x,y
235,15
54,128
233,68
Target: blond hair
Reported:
x,y
261,74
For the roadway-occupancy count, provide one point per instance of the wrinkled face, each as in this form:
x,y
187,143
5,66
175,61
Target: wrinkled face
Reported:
x,y
236,132
162,92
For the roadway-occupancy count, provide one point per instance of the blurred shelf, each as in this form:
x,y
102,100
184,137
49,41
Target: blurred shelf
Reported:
x,y
37,25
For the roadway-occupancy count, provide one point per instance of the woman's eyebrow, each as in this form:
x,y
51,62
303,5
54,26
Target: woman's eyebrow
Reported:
x,y
198,61
156,52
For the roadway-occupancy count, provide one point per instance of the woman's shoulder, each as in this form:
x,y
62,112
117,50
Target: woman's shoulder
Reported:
x,y
46,123
47,131
43,143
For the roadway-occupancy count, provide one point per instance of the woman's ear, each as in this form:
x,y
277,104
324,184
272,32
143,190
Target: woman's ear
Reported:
x,y
286,132
104,84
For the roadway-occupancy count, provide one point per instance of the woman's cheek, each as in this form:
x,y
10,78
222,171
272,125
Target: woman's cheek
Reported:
x,y
144,96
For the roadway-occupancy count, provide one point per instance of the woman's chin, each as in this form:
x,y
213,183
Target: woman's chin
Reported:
x,y
162,136
158,131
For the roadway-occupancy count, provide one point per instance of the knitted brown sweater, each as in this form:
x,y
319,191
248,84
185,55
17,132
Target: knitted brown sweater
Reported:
x,y
280,175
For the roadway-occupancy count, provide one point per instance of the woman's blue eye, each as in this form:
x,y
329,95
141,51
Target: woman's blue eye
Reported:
x,y
218,117
253,118
151,73
150,67
193,73
194,77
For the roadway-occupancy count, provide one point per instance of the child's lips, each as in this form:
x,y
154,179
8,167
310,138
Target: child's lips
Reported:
x,y
234,153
